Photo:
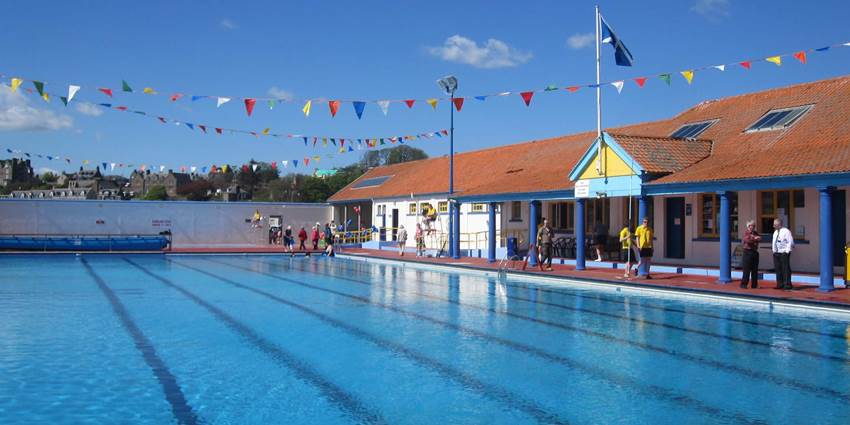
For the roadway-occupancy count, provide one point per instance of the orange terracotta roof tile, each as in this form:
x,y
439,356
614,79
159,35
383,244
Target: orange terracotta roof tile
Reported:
x,y
663,155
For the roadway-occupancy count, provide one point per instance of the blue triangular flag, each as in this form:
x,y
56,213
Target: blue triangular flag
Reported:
x,y
822,49
194,98
295,163
190,125
401,139
49,158
350,149
203,169
622,55
9,150
305,141
481,98
106,105
103,165
358,108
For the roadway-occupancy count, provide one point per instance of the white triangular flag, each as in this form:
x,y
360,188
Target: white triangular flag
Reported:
x,y
284,163
193,168
846,44
254,167
385,106
72,90
161,168
111,166
221,101
720,67
618,85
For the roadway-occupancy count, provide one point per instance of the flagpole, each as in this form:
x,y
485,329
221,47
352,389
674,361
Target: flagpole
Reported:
x,y
598,98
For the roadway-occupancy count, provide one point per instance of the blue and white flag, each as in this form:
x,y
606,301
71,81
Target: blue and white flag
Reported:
x,y
622,55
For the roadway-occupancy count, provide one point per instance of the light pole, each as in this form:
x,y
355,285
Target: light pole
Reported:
x,y
449,85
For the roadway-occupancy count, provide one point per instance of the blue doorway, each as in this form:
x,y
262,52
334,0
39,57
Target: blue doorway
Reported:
x,y
674,227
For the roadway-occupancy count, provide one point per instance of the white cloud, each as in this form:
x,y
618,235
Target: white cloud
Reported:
x,y
227,24
89,109
279,93
580,41
493,54
713,10
16,114
43,170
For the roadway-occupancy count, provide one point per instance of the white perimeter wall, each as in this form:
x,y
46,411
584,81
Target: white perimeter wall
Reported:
x,y
192,224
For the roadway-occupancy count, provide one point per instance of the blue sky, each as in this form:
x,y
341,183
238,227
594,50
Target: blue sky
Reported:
x,y
378,50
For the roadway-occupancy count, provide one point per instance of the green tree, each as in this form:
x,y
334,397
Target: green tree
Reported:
x,y
156,193
404,153
48,177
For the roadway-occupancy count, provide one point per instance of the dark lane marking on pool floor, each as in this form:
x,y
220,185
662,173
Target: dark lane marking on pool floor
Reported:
x,y
615,301
348,402
590,370
510,400
685,329
827,393
180,408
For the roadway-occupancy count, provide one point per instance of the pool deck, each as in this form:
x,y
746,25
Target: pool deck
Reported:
x,y
802,293
271,249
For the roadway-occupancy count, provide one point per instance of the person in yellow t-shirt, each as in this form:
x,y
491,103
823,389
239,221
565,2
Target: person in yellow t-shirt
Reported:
x,y
628,249
644,235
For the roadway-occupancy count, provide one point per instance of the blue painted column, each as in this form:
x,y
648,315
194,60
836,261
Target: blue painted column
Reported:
x,y
826,254
643,211
491,233
451,229
383,232
533,206
456,231
579,227
725,219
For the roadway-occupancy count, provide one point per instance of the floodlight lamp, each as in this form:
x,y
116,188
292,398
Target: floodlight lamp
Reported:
x,y
448,84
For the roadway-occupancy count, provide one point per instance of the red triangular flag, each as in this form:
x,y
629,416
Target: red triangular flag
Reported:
x,y
640,81
121,108
176,96
341,142
274,164
410,102
526,96
746,64
245,168
107,92
203,128
249,105
458,103
161,119
573,89
445,132
306,161
334,105
218,130
801,56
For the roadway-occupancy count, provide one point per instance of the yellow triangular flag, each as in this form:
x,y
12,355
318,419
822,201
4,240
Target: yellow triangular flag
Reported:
x,y
317,158
689,75
149,90
775,59
224,168
85,162
307,108
341,150
46,97
16,82
324,141
266,131
433,103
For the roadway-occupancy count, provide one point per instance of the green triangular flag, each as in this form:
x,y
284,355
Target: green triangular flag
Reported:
x,y
125,86
382,142
64,100
271,104
39,86
551,87
665,77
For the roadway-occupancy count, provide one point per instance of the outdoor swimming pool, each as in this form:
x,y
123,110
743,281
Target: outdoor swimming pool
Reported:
x,y
270,339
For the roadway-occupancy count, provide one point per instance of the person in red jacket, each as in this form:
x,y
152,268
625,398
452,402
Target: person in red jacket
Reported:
x,y
302,236
315,237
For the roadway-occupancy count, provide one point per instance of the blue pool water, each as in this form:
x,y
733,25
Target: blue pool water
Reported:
x,y
268,339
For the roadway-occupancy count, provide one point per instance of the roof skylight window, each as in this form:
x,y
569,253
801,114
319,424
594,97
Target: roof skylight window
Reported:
x,y
779,118
693,130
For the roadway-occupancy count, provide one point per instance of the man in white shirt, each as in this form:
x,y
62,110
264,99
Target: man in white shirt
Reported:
x,y
783,244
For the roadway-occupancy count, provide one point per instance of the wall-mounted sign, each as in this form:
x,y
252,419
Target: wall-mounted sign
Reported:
x,y
688,210
582,189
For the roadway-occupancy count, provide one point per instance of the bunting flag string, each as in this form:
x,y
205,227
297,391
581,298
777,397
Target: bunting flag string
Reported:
x,y
801,56
264,132
305,161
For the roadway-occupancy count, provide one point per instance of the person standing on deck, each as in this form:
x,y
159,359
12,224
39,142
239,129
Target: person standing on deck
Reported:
x,y
315,236
288,239
644,235
628,250
420,241
402,239
750,259
302,236
600,239
783,244
544,242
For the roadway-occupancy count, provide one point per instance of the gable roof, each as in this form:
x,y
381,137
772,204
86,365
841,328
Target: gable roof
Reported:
x,y
819,142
